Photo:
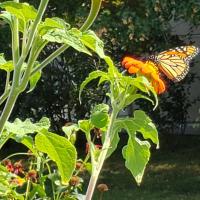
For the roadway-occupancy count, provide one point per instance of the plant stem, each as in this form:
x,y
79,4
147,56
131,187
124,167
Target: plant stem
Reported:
x,y
15,39
28,185
98,166
15,154
94,10
15,89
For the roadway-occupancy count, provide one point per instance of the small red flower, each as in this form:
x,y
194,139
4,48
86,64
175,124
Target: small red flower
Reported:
x,y
32,175
9,165
18,168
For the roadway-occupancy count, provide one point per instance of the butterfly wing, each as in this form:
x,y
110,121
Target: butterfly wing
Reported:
x,y
174,63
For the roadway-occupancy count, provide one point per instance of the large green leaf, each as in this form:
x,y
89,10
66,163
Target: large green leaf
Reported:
x,y
60,150
18,131
137,154
137,151
21,128
22,11
140,123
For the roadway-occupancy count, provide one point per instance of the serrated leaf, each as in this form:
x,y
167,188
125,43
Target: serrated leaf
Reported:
x,y
52,23
19,129
22,11
70,37
90,40
140,123
93,75
60,150
137,154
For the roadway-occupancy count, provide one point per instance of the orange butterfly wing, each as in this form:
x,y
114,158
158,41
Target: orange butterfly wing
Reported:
x,y
174,63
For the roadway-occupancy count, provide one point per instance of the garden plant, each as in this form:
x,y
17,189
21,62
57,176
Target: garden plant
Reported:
x,y
52,169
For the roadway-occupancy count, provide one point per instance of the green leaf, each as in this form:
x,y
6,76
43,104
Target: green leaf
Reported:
x,y
86,127
137,154
36,190
8,66
28,142
7,17
90,40
60,150
33,80
21,10
93,75
140,123
52,23
146,126
19,129
113,145
69,130
99,115
70,37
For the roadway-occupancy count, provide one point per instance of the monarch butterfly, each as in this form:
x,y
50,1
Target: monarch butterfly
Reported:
x,y
174,63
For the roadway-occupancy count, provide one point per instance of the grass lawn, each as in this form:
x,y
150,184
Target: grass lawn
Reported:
x,y
173,173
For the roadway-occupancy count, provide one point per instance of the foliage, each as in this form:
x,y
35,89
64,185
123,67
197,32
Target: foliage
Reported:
x,y
32,180
126,27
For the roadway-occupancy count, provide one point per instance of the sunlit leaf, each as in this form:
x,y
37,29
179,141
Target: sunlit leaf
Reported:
x,y
22,11
34,80
69,130
90,40
52,23
18,129
137,154
99,115
60,150
70,37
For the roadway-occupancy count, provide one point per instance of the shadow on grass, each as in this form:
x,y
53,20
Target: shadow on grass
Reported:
x,y
173,173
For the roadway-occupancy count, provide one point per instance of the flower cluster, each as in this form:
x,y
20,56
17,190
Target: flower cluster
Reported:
x,y
22,175
148,69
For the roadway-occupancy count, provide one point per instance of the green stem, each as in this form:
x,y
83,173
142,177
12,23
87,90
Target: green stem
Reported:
x,y
28,185
15,39
94,10
52,184
31,37
98,165
95,7
4,96
15,89
15,154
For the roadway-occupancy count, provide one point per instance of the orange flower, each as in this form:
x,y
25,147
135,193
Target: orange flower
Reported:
x,y
148,69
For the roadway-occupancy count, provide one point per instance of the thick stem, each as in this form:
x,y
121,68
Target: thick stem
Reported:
x,y
97,168
8,108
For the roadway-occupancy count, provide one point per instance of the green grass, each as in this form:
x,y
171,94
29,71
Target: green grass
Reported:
x,y
173,173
